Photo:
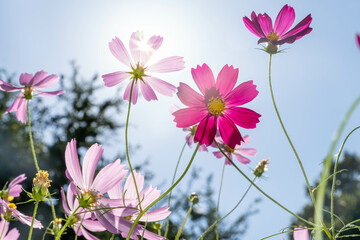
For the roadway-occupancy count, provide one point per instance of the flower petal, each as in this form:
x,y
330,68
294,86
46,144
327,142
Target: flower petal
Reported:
x,y
108,177
119,51
147,92
136,39
161,86
305,23
188,117
7,87
49,94
242,94
206,130
64,204
189,97
295,37
14,186
21,109
156,215
242,159
246,151
92,225
90,162
150,47
203,77
86,234
226,79
26,79
229,132
284,20
72,164
38,78
12,235
46,82
129,188
252,27
265,23
169,64
135,92
243,117
112,79
301,234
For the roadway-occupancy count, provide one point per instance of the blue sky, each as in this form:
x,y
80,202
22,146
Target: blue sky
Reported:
x,y
315,81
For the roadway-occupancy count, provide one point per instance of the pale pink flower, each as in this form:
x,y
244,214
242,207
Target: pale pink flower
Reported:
x,y
82,222
90,190
6,235
300,234
139,74
147,196
239,152
31,83
14,188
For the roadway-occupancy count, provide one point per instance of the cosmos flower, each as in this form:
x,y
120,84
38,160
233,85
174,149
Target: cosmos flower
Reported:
x,y
5,235
31,83
217,107
139,74
14,188
238,151
300,234
358,39
9,212
278,34
81,222
90,191
147,196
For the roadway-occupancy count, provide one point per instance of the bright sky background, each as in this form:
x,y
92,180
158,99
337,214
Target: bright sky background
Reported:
x,y
315,81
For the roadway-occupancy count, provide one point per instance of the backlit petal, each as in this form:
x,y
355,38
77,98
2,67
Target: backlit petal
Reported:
x,y
203,77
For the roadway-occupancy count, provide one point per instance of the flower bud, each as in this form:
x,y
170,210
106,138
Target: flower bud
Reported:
x,y
194,198
261,167
156,225
41,184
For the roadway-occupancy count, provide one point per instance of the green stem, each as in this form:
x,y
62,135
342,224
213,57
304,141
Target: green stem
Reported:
x,y
259,189
3,230
287,136
33,219
320,194
52,208
172,182
30,136
178,234
112,236
66,224
334,180
164,194
219,220
127,144
218,203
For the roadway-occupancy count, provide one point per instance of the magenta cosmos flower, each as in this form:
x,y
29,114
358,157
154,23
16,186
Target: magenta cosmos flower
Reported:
x,y
5,235
147,196
82,222
358,39
239,152
139,74
31,83
278,34
217,107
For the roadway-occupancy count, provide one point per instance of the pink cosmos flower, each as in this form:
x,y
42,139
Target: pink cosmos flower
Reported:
x,y
147,196
81,223
14,189
141,52
217,107
261,25
90,190
8,211
5,235
358,39
238,151
30,84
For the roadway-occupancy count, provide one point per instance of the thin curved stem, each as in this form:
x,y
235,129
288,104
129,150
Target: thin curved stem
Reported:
x,y
66,224
178,234
164,194
33,219
320,194
30,136
3,230
172,182
112,236
265,194
127,144
218,203
334,180
219,220
287,136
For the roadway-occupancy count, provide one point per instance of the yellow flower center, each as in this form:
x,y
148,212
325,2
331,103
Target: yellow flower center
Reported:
x,y
216,106
28,92
272,36
138,72
227,148
42,179
12,205
10,198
